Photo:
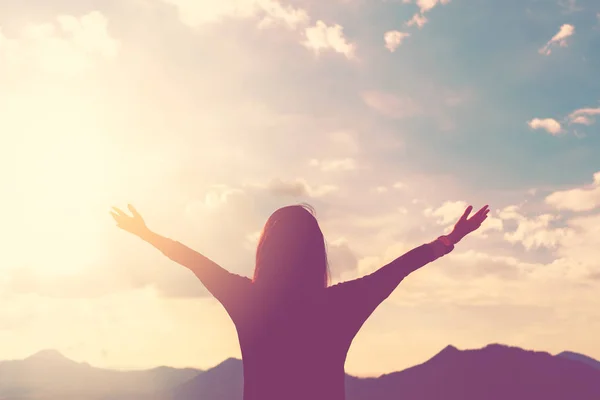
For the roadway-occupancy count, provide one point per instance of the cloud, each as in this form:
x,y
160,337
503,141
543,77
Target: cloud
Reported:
x,y
278,14
534,232
390,105
425,6
398,186
450,211
87,284
393,39
69,45
344,141
269,13
298,188
560,38
418,20
344,164
581,251
576,248
447,213
584,116
579,199
569,6
550,125
341,257
321,37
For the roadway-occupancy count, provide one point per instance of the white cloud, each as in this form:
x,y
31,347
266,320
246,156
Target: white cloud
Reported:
x,y
341,257
278,14
298,188
418,19
560,38
398,186
269,13
343,164
218,195
550,125
447,213
393,39
425,6
570,6
344,141
579,199
584,116
534,232
582,250
390,105
321,37
69,45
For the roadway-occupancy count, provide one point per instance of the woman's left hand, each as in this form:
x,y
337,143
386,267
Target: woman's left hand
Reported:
x,y
466,225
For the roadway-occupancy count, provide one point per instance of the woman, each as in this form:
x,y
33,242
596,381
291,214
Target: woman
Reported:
x,y
295,330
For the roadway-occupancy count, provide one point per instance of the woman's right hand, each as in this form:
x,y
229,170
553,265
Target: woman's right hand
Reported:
x,y
133,224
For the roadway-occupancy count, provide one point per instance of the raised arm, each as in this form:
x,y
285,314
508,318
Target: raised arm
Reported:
x,y
358,298
225,286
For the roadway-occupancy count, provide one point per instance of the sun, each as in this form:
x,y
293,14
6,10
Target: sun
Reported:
x,y
63,171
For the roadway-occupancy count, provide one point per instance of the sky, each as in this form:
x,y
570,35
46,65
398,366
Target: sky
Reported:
x,y
389,117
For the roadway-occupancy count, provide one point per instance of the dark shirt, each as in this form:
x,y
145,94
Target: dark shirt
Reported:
x,y
295,347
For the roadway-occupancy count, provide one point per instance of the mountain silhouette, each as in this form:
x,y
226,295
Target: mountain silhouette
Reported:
x,y
48,375
492,373
223,382
581,358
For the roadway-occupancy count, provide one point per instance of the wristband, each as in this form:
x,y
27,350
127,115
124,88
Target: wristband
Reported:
x,y
447,243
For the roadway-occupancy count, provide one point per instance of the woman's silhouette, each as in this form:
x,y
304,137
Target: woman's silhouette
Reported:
x,y
295,330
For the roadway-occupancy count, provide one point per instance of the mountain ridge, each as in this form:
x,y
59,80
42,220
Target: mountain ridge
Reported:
x,y
495,371
581,358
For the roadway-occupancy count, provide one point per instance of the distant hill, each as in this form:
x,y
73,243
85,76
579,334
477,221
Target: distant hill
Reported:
x,y
581,358
49,375
223,382
492,373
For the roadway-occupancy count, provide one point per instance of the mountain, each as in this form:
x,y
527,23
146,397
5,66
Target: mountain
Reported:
x,y
492,373
223,382
48,375
581,358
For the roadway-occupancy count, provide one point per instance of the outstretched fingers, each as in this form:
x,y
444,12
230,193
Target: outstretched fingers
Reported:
x,y
119,212
481,212
134,212
466,213
481,215
119,215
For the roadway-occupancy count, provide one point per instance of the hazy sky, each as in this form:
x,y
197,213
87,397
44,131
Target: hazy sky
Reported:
x,y
387,116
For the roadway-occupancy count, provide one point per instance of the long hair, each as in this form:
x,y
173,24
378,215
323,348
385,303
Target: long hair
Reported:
x,y
291,253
